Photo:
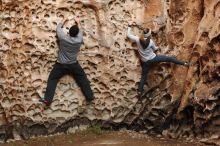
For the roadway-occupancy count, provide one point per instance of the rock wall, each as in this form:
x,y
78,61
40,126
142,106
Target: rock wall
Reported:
x,y
179,101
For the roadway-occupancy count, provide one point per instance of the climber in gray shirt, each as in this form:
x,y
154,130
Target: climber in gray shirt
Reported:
x,y
146,48
69,46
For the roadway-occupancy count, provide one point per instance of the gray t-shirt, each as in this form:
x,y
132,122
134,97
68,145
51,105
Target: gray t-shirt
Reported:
x,y
145,53
68,46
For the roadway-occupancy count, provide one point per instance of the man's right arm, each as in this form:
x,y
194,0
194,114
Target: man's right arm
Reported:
x,y
80,34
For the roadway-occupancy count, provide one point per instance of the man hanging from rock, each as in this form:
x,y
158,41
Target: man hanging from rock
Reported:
x,y
146,48
69,46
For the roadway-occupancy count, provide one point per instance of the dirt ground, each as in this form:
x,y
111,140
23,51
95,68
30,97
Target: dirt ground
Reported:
x,y
104,139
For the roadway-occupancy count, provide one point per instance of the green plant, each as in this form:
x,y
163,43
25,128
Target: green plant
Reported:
x,y
96,129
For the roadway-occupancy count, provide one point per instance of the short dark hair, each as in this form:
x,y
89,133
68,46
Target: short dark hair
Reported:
x,y
74,30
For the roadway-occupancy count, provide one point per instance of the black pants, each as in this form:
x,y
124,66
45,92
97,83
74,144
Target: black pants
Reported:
x,y
146,67
60,70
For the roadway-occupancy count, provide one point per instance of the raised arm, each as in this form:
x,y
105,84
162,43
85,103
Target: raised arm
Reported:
x,y
131,36
77,22
80,35
153,46
60,32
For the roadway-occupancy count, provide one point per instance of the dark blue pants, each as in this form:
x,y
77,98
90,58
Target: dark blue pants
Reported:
x,y
59,70
146,67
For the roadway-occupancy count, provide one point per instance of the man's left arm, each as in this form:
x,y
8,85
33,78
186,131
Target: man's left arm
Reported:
x,y
60,32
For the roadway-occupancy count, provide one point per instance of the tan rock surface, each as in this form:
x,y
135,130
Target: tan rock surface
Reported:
x,y
185,101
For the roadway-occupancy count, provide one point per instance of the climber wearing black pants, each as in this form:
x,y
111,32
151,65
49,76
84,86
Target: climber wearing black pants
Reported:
x,y
146,48
69,46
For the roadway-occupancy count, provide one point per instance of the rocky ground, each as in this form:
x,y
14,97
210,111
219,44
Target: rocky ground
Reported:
x,y
122,138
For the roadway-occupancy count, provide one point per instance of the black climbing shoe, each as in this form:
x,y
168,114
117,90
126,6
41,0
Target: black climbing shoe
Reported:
x,y
43,100
90,99
187,64
140,94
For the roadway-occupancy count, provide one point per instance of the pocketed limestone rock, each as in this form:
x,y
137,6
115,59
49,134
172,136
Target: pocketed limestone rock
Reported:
x,y
179,101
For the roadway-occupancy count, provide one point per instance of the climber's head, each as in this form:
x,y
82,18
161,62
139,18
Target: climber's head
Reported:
x,y
144,41
147,32
74,30
145,38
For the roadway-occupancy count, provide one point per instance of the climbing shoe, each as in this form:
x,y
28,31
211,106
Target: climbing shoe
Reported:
x,y
140,94
187,64
43,100
90,99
